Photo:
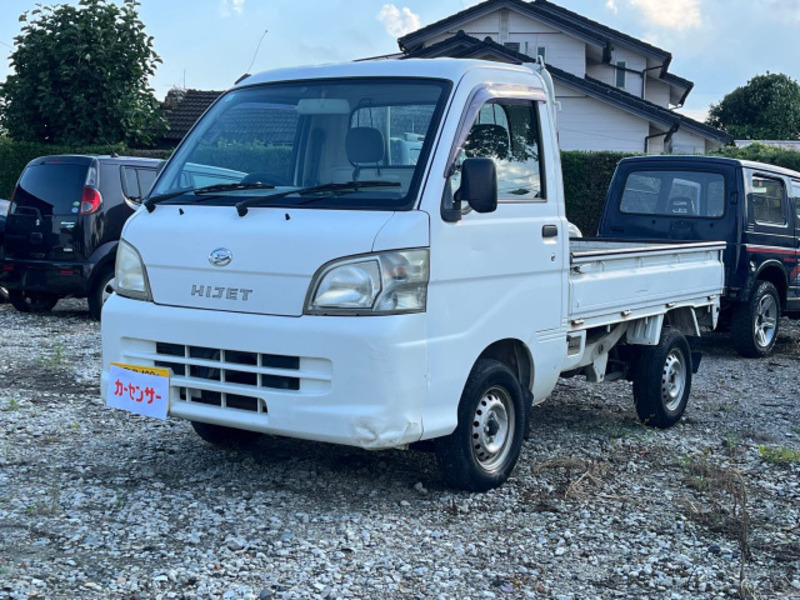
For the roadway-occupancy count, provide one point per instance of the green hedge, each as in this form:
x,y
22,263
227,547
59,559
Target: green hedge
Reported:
x,y
586,179
15,155
789,159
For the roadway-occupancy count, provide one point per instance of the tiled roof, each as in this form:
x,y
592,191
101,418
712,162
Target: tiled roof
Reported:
x,y
462,45
187,107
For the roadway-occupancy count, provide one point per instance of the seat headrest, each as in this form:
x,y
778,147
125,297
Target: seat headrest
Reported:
x,y
487,140
364,145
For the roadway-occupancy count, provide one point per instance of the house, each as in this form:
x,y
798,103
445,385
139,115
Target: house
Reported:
x,y
181,109
616,92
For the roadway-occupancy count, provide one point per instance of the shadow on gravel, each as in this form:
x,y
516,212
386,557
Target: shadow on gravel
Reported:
x,y
178,460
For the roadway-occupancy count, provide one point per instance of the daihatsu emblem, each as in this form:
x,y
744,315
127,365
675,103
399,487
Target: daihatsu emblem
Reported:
x,y
221,257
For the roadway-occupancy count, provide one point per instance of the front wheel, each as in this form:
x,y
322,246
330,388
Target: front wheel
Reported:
x,y
662,380
754,326
483,450
32,302
102,288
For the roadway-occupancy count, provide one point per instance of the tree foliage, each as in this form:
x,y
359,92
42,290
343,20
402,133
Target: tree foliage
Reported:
x,y
767,108
81,76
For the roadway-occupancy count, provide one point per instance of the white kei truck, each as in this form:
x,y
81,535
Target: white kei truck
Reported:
x,y
377,254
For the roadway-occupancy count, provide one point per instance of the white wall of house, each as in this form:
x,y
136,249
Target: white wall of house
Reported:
x,y
685,142
657,92
633,62
588,124
561,50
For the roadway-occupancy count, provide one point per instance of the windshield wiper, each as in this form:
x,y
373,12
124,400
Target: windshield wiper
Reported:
x,y
241,207
209,189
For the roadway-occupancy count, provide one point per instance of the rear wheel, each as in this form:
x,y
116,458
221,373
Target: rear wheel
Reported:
x,y
32,302
662,380
225,436
101,291
754,327
483,450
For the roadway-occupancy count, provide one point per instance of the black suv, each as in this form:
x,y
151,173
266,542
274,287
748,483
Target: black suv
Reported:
x,y
63,227
754,207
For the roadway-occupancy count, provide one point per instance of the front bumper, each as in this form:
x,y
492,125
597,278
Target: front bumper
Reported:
x,y
60,278
358,381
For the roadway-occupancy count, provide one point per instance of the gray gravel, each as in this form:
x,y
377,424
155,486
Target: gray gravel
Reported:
x,y
97,503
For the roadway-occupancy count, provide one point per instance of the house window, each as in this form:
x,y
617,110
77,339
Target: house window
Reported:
x,y
542,51
512,46
621,66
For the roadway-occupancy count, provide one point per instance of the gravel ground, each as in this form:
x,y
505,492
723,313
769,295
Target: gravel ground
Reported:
x,y
97,503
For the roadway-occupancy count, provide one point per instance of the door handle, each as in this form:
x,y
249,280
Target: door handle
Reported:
x,y
549,231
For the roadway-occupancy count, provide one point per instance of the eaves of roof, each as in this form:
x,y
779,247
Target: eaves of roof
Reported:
x,y
415,39
603,30
462,45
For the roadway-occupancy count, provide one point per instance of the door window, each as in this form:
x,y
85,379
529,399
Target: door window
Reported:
x,y
507,131
767,199
136,183
796,196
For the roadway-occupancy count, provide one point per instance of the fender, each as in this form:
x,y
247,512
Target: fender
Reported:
x,y
771,265
103,256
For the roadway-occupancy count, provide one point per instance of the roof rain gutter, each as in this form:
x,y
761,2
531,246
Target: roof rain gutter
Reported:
x,y
667,135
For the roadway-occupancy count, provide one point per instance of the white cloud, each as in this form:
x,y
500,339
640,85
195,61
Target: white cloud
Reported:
x,y
612,6
675,14
398,21
236,6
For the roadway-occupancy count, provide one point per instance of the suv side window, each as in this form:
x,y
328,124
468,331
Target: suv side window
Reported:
x,y
768,200
136,182
507,131
796,196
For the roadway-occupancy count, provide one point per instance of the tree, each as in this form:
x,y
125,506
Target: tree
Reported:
x,y
767,108
81,76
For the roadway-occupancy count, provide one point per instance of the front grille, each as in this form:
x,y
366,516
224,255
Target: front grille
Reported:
x,y
233,379
229,366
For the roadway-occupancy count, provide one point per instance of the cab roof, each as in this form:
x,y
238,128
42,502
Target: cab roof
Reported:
x,y
452,69
698,160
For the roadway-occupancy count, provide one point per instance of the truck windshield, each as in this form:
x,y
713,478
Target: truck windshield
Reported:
x,y
674,193
271,139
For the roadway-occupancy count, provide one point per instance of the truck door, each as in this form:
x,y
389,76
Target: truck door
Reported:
x,y
502,275
770,240
794,277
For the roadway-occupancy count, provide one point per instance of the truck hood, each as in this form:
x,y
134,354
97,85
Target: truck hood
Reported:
x,y
274,252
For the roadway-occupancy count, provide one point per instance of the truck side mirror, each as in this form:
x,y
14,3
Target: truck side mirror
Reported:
x,y
478,185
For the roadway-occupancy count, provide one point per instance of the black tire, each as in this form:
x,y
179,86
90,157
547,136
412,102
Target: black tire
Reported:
x,y
492,406
662,380
755,323
32,302
225,436
3,295
102,288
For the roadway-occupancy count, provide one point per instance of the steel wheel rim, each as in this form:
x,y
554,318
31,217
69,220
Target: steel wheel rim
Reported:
x,y
492,428
108,289
673,380
766,321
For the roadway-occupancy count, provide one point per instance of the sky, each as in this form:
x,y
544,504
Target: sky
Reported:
x,y
208,44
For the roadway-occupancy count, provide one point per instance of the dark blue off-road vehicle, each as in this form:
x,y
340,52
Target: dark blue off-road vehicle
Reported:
x,y
753,206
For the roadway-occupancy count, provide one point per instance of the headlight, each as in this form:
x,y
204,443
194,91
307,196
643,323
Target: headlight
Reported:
x,y
377,284
130,278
